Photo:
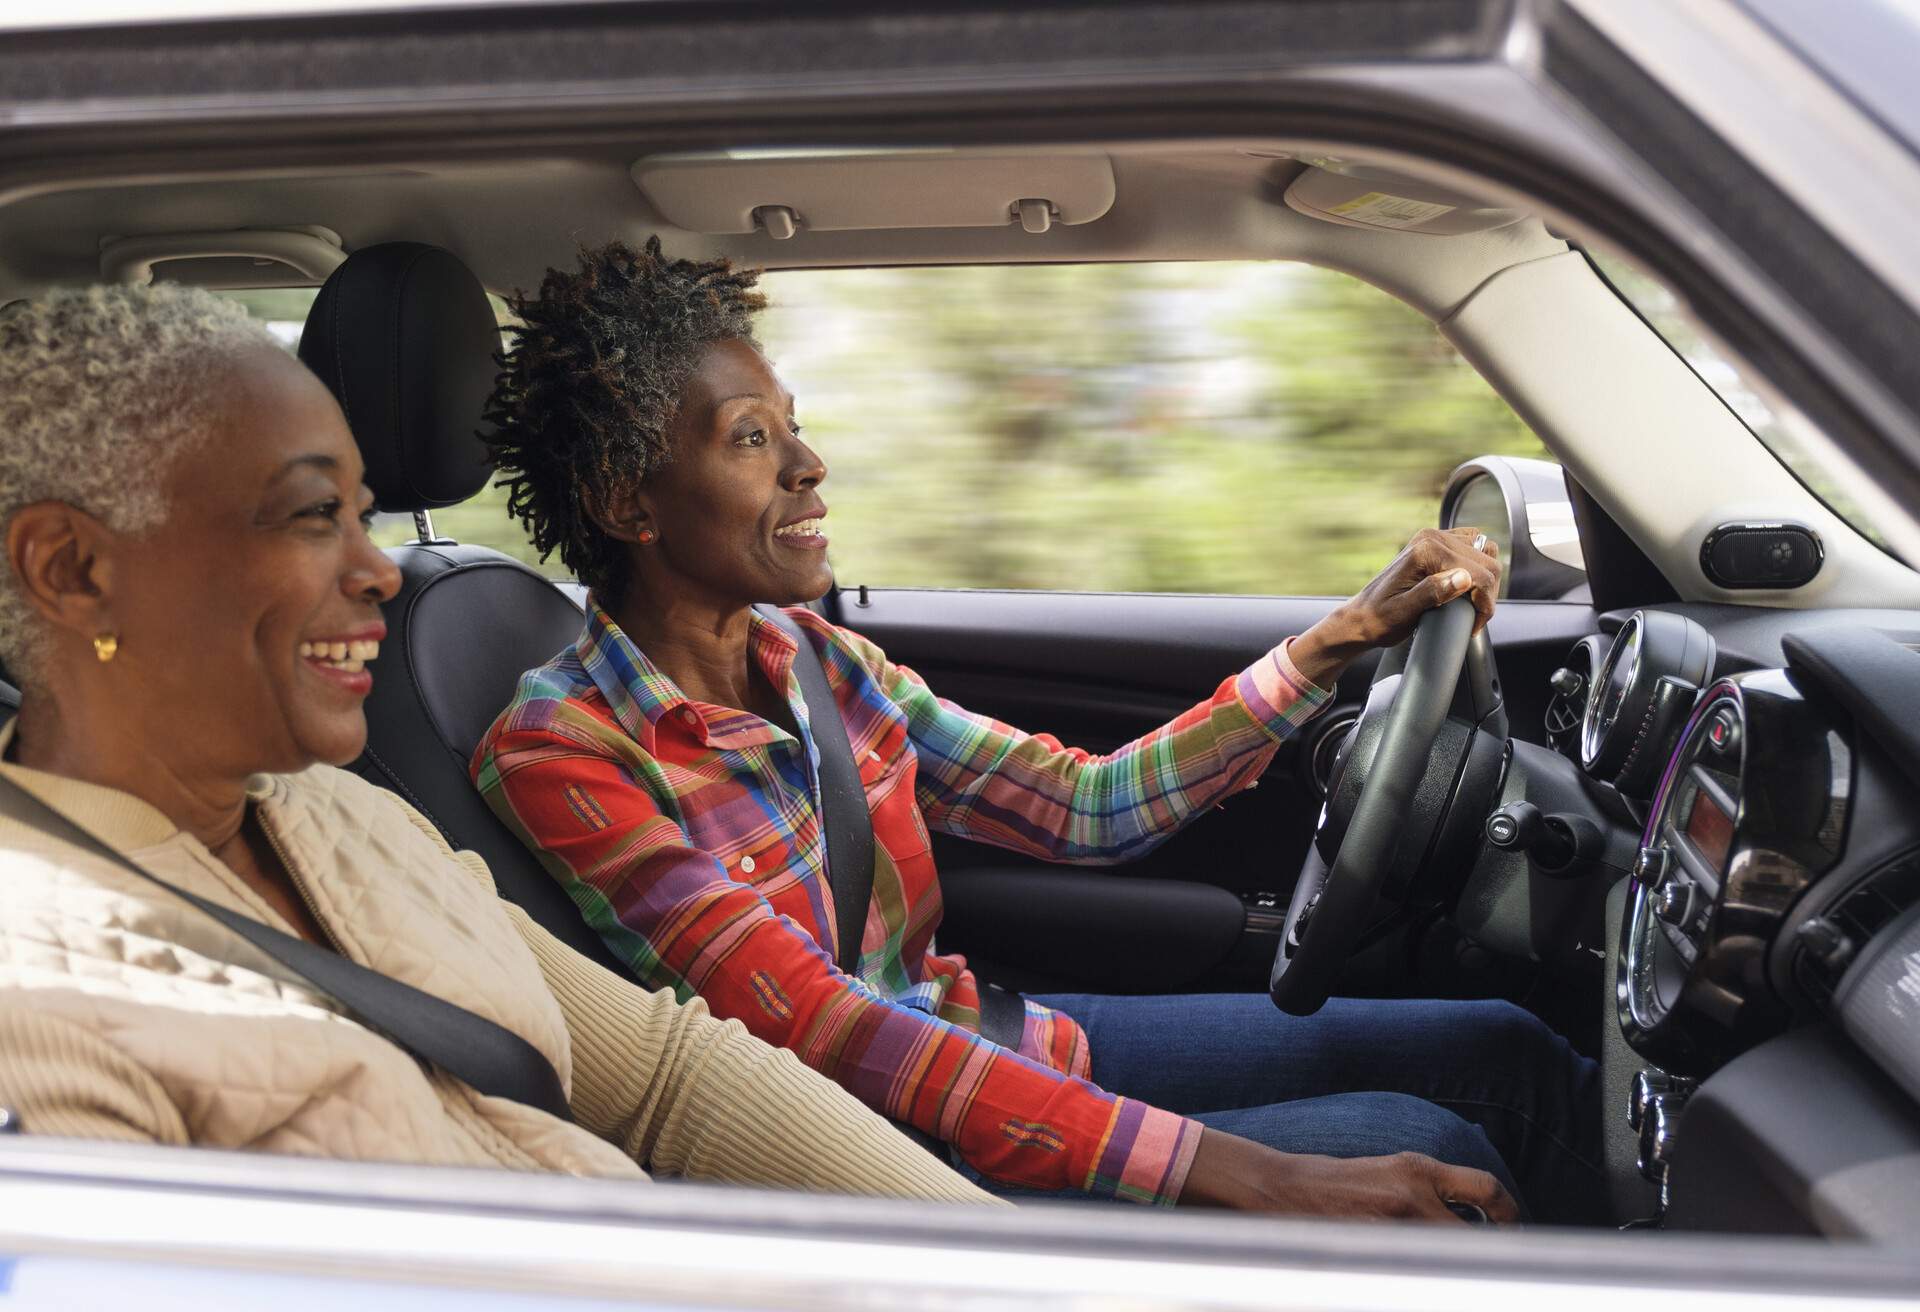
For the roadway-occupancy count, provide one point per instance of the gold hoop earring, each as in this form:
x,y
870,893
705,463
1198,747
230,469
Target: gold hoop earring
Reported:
x,y
105,646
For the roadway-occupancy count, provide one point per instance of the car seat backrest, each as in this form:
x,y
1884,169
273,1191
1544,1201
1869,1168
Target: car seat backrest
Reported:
x,y
404,337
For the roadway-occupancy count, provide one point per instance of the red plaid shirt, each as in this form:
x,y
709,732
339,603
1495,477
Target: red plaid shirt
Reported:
x,y
689,835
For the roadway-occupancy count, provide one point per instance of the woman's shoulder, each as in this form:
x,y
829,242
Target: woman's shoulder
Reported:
x,y
837,643
319,790
341,801
355,820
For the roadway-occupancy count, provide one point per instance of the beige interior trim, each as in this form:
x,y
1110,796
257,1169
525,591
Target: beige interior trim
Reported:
x,y
305,251
1636,426
721,193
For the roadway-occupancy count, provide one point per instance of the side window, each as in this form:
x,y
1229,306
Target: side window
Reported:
x,y
1255,428
483,519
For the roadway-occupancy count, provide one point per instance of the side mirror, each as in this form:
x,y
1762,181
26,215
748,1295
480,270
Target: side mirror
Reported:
x,y
1523,505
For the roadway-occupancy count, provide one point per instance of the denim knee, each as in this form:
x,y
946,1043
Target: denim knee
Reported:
x,y
1414,1125
1510,1038
1364,1125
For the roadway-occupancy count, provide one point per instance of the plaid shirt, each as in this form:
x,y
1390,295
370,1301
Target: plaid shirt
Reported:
x,y
690,837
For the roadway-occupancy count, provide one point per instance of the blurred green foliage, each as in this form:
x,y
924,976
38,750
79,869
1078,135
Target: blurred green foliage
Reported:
x,y
1198,427
1204,427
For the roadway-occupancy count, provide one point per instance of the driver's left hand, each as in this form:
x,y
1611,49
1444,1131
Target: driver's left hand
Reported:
x,y
1437,566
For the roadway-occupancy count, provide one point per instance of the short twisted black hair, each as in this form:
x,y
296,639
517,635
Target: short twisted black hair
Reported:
x,y
592,381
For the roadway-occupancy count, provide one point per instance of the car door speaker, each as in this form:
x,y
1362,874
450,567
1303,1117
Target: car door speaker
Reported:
x,y
1771,556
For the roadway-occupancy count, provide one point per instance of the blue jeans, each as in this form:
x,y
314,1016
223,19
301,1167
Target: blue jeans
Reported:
x,y
1479,1084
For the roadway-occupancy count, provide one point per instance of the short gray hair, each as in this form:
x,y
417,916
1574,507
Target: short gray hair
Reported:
x,y
102,389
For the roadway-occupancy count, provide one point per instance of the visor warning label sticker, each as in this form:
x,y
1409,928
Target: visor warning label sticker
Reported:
x,y
1384,211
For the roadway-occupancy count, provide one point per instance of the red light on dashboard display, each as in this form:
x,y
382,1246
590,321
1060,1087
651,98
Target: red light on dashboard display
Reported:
x,y
1710,829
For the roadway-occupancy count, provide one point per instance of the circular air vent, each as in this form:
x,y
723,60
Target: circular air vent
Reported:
x,y
1825,945
1567,707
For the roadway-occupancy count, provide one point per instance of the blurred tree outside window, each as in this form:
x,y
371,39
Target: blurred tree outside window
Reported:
x,y
1194,427
1258,428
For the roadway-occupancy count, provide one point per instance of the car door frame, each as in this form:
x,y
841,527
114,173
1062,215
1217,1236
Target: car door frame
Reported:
x,y
1543,98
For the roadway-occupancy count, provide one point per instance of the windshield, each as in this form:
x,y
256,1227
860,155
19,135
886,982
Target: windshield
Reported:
x,y
1867,49
1663,311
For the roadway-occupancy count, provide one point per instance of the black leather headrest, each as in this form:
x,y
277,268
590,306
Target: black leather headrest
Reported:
x,y
403,336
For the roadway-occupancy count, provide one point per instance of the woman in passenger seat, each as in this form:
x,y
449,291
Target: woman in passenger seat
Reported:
x,y
661,767
192,603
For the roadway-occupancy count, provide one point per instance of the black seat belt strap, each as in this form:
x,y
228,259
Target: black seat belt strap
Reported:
x,y
1003,1016
849,826
843,799
474,1050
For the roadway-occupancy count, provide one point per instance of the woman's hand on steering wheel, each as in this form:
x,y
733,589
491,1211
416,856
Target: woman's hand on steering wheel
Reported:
x,y
1436,566
1229,1171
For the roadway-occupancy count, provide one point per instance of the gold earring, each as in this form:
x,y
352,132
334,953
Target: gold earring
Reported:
x,y
105,646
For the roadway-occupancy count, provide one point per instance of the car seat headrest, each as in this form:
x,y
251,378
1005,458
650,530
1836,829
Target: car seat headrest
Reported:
x,y
403,336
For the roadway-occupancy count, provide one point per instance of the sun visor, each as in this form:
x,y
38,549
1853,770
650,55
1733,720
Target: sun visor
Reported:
x,y
782,193
1358,196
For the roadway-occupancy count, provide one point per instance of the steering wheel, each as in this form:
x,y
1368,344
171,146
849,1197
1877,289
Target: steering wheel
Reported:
x,y
1393,748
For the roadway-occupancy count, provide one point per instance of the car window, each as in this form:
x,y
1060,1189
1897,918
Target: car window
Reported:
x,y
1787,437
1260,428
1215,427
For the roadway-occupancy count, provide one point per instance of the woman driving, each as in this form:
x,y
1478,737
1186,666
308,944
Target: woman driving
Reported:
x,y
192,604
664,768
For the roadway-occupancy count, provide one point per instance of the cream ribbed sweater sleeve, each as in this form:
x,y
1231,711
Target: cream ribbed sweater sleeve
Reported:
x,y
66,1081
693,1096
685,1094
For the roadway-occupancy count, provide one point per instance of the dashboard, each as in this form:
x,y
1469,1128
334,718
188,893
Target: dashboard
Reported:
x,y
1768,767
1750,811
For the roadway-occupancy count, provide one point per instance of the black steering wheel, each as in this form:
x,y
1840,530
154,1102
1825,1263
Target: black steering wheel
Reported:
x,y
1397,783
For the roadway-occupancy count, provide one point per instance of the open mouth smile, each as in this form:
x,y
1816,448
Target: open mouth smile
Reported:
x,y
343,661
806,533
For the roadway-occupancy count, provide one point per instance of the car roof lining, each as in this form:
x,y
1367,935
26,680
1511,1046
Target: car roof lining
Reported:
x,y
1172,201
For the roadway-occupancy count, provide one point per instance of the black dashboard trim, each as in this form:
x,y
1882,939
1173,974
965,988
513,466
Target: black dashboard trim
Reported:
x,y
1754,637
1800,1135
1875,678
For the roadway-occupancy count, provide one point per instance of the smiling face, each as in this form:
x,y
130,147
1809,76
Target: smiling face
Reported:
x,y
245,621
736,513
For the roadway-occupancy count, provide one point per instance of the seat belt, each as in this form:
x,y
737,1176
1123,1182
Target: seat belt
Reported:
x,y
849,826
843,799
474,1050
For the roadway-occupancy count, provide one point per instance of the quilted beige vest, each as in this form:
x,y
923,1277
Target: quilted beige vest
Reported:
x,y
247,1057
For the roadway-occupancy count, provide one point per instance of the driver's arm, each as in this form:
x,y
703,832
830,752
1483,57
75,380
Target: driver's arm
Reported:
x,y
988,781
984,780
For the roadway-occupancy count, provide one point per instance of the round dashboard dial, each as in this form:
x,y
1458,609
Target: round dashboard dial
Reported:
x,y
1618,674
1641,695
